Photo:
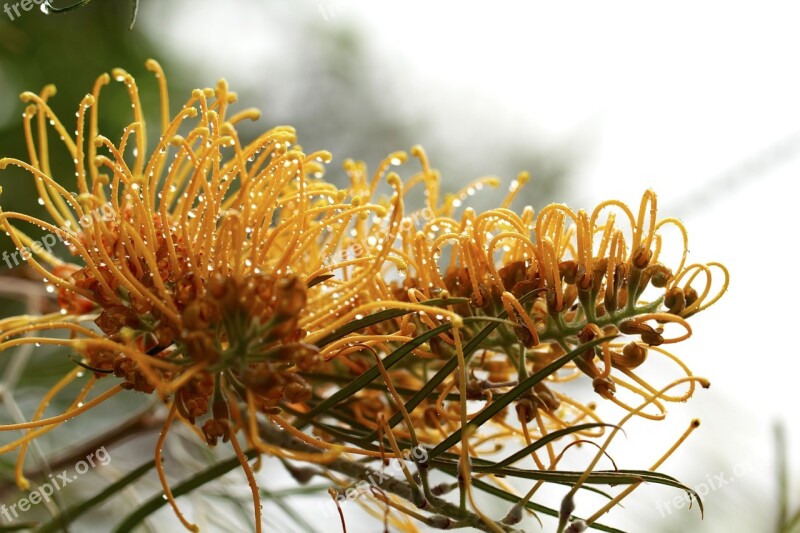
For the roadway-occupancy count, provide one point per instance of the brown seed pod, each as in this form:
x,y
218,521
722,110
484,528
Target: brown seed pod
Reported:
x,y
675,300
633,355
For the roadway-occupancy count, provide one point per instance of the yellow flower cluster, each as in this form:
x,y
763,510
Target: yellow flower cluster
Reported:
x,y
239,286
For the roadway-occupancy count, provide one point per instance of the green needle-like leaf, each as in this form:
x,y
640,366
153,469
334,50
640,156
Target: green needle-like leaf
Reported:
x,y
550,437
370,375
452,364
382,316
441,375
157,501
525,385
500,493
70,514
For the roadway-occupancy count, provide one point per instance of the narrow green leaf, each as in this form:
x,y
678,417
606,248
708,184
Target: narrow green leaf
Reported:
x,y
381,316
70,514
451,467
564,477
500,493
525,385
307,490
157,501
550,437
452,364
440,376
337,378
370,375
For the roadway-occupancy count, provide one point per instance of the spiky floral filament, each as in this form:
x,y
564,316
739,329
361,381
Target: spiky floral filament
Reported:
x,y
22,481
58,418
618,427
162,436
694,424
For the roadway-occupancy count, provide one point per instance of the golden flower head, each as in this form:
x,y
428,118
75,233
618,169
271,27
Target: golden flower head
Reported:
x,y
548,283
236,283
563,277
207,265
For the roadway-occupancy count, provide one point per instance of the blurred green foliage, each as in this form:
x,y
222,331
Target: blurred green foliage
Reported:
x,y
70,51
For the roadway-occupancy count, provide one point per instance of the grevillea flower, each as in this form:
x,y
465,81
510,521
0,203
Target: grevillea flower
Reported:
x,y
254,298
208,275
558,280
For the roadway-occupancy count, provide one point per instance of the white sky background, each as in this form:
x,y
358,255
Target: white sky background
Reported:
x,y
669,97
